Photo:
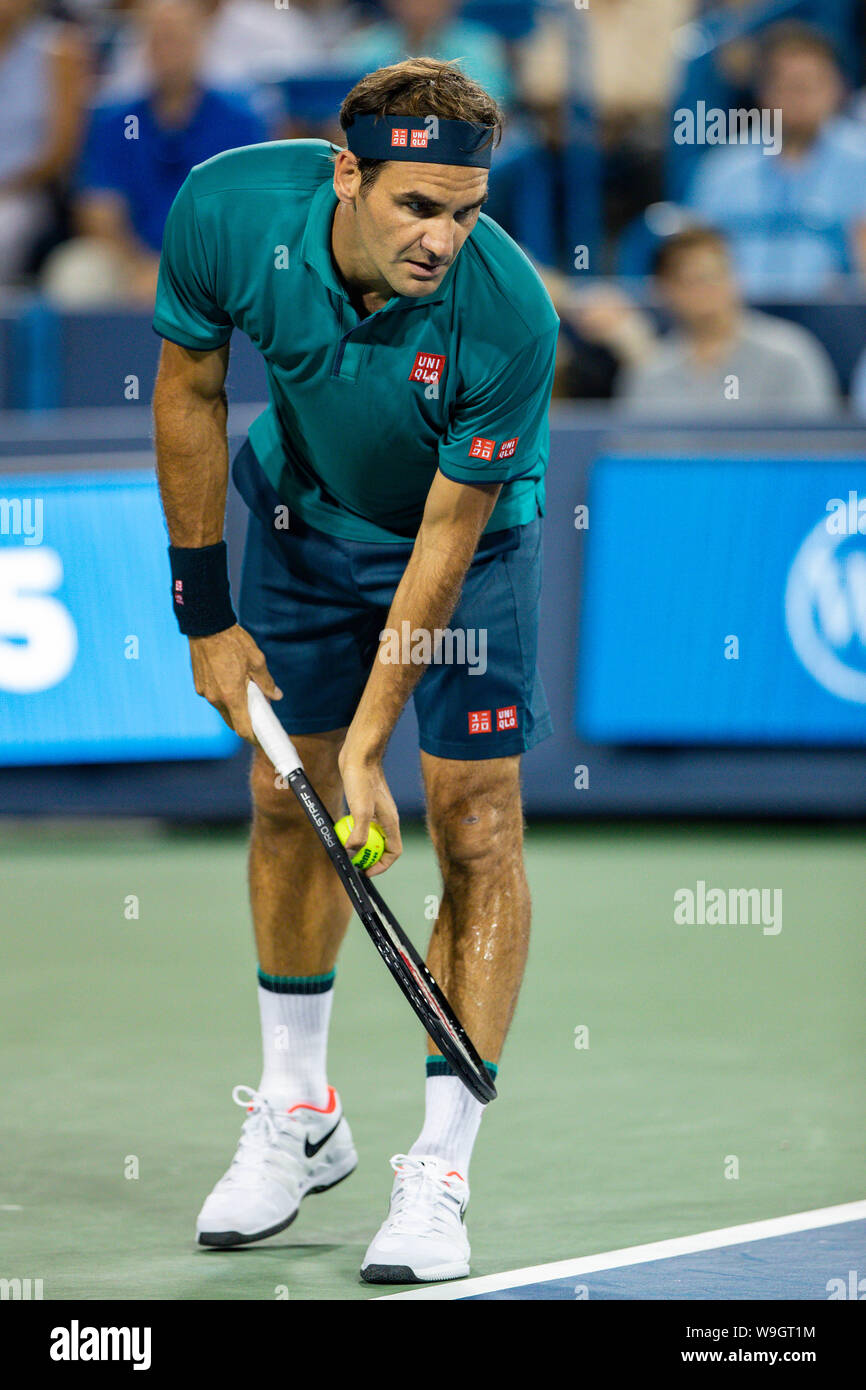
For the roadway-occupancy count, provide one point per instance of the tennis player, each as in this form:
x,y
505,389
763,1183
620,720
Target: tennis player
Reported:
x,y
395,484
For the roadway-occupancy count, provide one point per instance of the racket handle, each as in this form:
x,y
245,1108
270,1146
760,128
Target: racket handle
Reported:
x,y
270,733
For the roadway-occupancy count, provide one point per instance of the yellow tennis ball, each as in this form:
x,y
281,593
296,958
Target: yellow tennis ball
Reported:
x,y
372,851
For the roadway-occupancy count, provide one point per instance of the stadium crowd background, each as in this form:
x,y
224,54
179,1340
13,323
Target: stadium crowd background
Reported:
x,y
751,261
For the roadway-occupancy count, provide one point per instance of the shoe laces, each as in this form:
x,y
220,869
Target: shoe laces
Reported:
x,y
425,1198
263,1137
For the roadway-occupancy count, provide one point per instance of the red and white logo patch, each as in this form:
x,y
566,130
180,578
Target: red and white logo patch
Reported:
x,y
506,718
399,136
482,448
428,367
507,449
479,721
419,139
178,591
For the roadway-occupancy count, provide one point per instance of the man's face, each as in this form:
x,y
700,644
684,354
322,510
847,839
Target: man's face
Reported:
x,y
805,86
173,33
699,286
411,223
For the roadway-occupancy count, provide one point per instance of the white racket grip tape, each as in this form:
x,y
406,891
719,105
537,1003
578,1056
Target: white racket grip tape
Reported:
x,y
270,733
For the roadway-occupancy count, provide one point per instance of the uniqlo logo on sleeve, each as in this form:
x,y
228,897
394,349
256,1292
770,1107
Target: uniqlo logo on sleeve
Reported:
x,y
178,591
479,721
482,448
506,718
399,135
419,139
507,449
428,367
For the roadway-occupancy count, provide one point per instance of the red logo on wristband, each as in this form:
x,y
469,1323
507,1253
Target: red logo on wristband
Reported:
x,y
178,591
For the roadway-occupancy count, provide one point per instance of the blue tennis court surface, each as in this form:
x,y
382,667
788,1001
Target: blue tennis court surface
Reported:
x,y
815,1255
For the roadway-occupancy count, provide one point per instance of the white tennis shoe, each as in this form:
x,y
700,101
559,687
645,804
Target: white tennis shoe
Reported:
x,y
423,1237
283,1156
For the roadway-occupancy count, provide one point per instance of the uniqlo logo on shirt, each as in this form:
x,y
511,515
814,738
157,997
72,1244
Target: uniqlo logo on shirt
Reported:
x,y
419,139
506,718
428,367
507,449
479,721
482,448
399,135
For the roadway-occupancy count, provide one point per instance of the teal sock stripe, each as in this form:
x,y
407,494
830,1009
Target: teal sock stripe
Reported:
x,y
437,1066
297,984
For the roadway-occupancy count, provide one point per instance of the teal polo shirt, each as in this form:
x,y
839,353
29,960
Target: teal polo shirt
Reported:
x,y
362,410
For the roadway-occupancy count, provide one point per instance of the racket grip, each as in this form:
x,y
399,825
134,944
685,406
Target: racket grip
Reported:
x,y
270,733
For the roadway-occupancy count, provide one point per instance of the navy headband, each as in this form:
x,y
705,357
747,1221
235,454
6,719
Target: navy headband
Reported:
x,y
421,140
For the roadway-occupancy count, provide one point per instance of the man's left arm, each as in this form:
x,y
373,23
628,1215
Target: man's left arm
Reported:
x,y
455,514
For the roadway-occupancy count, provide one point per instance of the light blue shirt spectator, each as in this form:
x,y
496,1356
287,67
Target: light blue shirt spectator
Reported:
x,y
481,52
791,223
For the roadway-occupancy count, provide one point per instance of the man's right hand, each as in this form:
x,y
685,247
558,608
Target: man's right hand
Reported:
x,y
221,667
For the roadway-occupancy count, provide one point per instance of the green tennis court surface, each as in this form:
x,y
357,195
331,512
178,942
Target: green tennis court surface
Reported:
x,y
123,1037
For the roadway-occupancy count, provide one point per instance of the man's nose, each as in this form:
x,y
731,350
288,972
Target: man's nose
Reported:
x,y
438,238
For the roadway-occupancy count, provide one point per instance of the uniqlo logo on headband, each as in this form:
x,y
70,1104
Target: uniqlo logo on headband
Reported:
x,y
506,718
507,449
419,138
479,721
428,367
399,136
482,448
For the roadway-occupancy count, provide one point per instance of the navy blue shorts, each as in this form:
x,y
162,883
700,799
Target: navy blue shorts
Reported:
x,y
316,605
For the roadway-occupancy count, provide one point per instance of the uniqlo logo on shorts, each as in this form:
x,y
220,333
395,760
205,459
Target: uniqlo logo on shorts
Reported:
x,y
506,718
482,448
428,367
399,136
507,449
419,139
479,721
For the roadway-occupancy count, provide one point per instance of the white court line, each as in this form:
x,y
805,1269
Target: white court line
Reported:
x,y
640,1254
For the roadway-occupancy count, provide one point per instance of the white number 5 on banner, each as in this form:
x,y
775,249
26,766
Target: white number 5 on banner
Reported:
x,y
38,639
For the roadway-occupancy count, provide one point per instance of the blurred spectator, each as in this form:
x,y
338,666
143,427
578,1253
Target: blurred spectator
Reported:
x,y
42,97
858,387
718,355
625,68
246,43
137,155
796,218
432,29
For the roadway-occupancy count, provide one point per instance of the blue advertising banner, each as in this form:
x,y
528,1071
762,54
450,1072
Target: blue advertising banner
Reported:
x,y
724,602
92,666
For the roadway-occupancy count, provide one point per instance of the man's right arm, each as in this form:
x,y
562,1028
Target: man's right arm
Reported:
x,y
190,411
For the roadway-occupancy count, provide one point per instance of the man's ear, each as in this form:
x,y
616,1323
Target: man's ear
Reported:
x,y
347,177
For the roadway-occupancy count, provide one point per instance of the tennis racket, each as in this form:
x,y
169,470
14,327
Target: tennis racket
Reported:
x,y
392,943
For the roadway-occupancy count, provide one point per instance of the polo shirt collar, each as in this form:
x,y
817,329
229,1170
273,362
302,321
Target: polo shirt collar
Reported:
x,y
316,253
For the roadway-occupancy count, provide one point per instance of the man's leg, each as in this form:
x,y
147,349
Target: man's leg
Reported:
x,y
295,1139
477,952
481,936
300,914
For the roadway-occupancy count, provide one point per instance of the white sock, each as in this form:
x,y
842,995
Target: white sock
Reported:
x,y
295,1040
451,1120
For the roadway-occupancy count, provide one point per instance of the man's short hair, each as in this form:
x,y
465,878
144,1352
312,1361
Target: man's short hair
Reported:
x,y
793,34
671,248
419,87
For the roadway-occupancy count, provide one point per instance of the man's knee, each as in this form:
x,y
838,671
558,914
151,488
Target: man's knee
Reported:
x,y
275,805
476,819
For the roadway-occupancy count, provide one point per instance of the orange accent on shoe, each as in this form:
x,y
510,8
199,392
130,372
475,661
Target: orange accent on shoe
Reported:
x,y
319,1109
455,1174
